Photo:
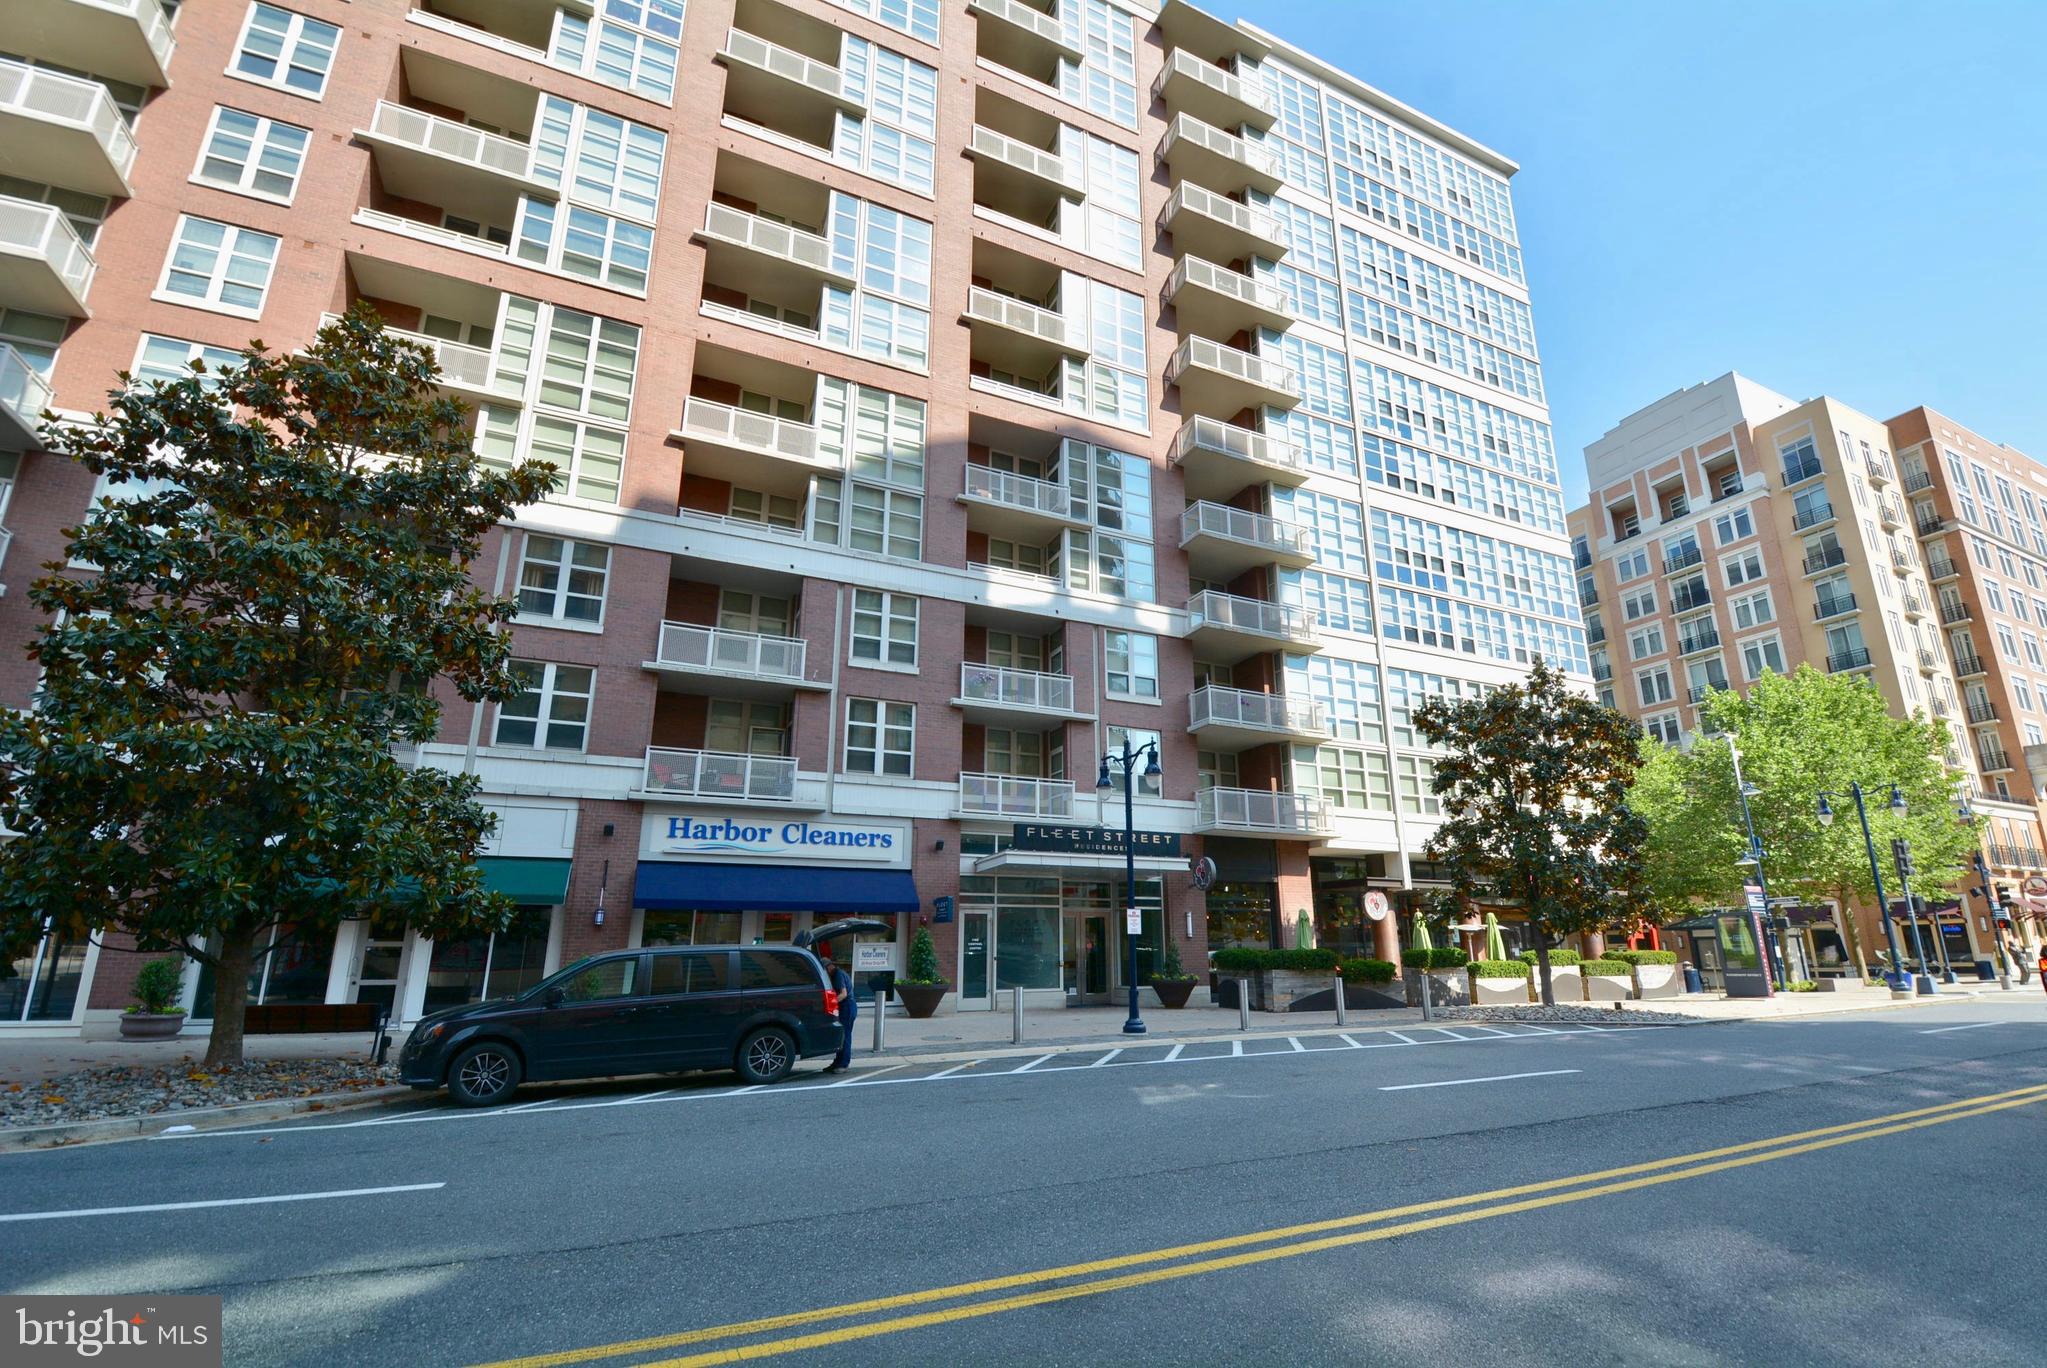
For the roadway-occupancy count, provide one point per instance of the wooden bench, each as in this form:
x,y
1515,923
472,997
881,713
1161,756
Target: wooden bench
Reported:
x,y
318,1018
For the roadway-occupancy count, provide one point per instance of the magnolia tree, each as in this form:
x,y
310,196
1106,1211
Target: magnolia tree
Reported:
x,y
1533,780
277,578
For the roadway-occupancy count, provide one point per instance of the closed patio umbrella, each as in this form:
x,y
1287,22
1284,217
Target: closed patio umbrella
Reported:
x,y
1421,934
1495,943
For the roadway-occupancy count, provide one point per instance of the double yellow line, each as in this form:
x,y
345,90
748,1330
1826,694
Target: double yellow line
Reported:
x,y
1283,1242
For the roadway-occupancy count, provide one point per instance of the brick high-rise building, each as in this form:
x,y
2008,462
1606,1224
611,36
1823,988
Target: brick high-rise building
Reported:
x,y
1733,531
946,391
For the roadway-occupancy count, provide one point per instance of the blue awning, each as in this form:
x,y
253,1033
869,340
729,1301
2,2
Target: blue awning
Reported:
x,y
773,888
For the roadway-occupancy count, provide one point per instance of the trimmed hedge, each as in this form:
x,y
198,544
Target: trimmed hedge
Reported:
x,y
1442,957
1499,969
1251,959
1644,956
1615,968
1559,958
1368,970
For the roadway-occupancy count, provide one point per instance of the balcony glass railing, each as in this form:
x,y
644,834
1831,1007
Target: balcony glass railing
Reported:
x,y
721,775
764,433
1049,166
754,655
41,230
1212,703
1019,315
1233,612
455,141
755,51
1247,290
1257,224
1186,129
1245,528
1251,369
1227,84
43,94
768,237
23,393
1257,810
1011,490
1212,436
1008,795
1029,690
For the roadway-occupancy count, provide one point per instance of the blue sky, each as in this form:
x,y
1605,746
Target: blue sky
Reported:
x,y
1833,198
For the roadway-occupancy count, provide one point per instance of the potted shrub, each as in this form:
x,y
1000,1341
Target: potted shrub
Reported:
x,y
1565,983
1170,980
155,1015
1366,983
922,988
1607,980
1656,972
1501,981
1447,988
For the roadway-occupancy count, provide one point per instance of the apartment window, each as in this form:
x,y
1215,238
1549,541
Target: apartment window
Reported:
x,y
1801,460
1344,778
735,726
918,18
1115,737
1634,565
1732,527
1645,643
1752,610
252,155
552,711
285,50
1120,566
2024,693
1415,774
1132,659
864,517
761,614
884,628
1664,727
1763,655
771,510
632,46
1018,753
1653,686
1639,604
2033,652
563,580
584,243
170,359
1215,769
1743,568
880,737
218,266
590,458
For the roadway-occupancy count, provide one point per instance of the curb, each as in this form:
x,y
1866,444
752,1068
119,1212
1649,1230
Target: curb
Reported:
x,y
66,1134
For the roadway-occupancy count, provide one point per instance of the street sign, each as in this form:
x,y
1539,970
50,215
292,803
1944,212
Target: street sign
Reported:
x,y
1133,921
873,959
941,909
1755,897
1376,905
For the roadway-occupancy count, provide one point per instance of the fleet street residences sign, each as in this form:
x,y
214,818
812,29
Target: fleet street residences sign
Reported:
x,y
1091,840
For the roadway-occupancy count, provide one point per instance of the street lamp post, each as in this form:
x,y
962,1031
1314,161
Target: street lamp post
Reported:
x,y
1924,983
1127,762
1775,956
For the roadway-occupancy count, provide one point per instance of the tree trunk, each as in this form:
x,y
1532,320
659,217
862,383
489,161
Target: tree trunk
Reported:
x,y
1549,998
230,997
1852,935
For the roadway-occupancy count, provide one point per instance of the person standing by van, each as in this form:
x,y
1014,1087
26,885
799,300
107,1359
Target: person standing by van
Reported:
x,y
842,984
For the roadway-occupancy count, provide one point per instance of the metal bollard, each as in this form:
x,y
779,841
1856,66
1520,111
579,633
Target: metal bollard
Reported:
x,y
1016,1015
1428,1002
1339,1002
880,1015
1243,1004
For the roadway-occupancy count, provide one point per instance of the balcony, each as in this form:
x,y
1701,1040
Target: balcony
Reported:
x,y
1588,595
1940,705
1941,568
1007,795
1817,562
60,130
764,78
1815,515
753,450
1889,514
465,370
1916,480
1016,507
437,161
1223,542
1833,606
1021,37
1902,561
1968,664
1017,163
1982,710
1698,643
1218,459
1932,525
1602,672
1915,606
1854,658
1222,381
726,777
1226,628
44,266
1217,302
1697,693
1929,663
691,658
1018,336
23,397
1878,468
125,40
1682,560
1953,611
1220,228
994,695
1690,599
1204,154
1993,759
1235,719
1190,85
1595,635
746,247
1258,812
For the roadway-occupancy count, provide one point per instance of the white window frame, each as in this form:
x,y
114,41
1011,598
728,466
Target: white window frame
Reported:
x,y
217,275
1759,643
1643,692
883,717
258,142
1655,725
544,721
888,611
202,351
565,569
1132,673
1735,608
294,34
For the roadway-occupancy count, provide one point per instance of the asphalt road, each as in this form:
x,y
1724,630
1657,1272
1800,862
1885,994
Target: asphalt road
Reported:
x,y
1852,1190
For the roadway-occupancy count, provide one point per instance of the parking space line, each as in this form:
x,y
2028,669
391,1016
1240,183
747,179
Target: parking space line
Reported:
x,y
1236,1049
1405,1040
1106,1058
1943,1030
1174,1053
1348,1041
1495,1078
947,1073
1032,1065
77,1212
1295,1041
867,1075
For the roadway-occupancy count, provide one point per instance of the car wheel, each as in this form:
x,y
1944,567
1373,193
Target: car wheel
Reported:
x,y
766,1056
483,1075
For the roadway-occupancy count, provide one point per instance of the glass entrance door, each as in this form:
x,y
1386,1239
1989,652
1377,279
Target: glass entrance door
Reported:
x,y
1086,960
974,961
376,973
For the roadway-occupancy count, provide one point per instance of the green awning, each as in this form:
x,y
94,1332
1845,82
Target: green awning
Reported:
x,y
540,882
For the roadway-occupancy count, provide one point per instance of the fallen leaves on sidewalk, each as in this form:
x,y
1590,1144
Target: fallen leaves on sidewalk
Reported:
x,y
129,1090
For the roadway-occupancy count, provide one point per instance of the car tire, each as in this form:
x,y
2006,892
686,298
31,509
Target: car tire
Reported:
x,y
765,1056
484,1074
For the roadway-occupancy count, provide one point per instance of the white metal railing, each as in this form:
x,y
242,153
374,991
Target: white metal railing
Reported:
x,y
69,100
1216,437
746,527
455,141
1206,275
156,25
1006,795
1213,608
755,655
746,318
763,235
1186,128
1224,83
430,232
6,540
1021,155
1023,16
1009,688
471,33
41,230
1198,199
24,393
1205,519
721,774
1047,325
1017,491
1248,367
1251,708
460,363
758,432
1236,809
787,63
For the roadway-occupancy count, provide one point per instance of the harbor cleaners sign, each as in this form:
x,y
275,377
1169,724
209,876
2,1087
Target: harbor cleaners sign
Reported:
x,y
754,836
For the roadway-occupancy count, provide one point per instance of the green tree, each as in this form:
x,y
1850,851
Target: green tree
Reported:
x,y
1534,780
280,579
1694,833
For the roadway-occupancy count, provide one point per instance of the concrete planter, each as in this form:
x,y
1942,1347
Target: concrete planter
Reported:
x,y
151,1025
1659,981
1608,987
921,1000
1487,992
1286,990
1357,997
1173,993
1450,988
1565,982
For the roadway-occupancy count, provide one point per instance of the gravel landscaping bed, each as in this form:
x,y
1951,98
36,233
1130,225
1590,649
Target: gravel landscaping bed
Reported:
x,y
126,1090
1575,1014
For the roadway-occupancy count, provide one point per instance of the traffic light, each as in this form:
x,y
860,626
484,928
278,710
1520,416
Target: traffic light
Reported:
x,y
1901,852
1987,891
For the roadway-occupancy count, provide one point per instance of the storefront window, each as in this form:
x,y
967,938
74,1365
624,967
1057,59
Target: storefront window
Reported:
x,y
1027,947
42,987
690,928
477,968
1240,914
290,966
778,928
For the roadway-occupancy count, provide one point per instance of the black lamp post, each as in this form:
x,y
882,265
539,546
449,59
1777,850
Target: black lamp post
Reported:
x,y
1924,981
1773,956
1127,762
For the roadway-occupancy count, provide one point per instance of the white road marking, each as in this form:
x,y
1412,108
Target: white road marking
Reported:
x,y
1348,1041
1032,1065
1174,1053
1445,1030
1539,1030
1488,1030
1943,1030
1295,1041
1236,1049
216,1202
948,1073
1496,1078
866,1076
1405,1040
1106,1058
